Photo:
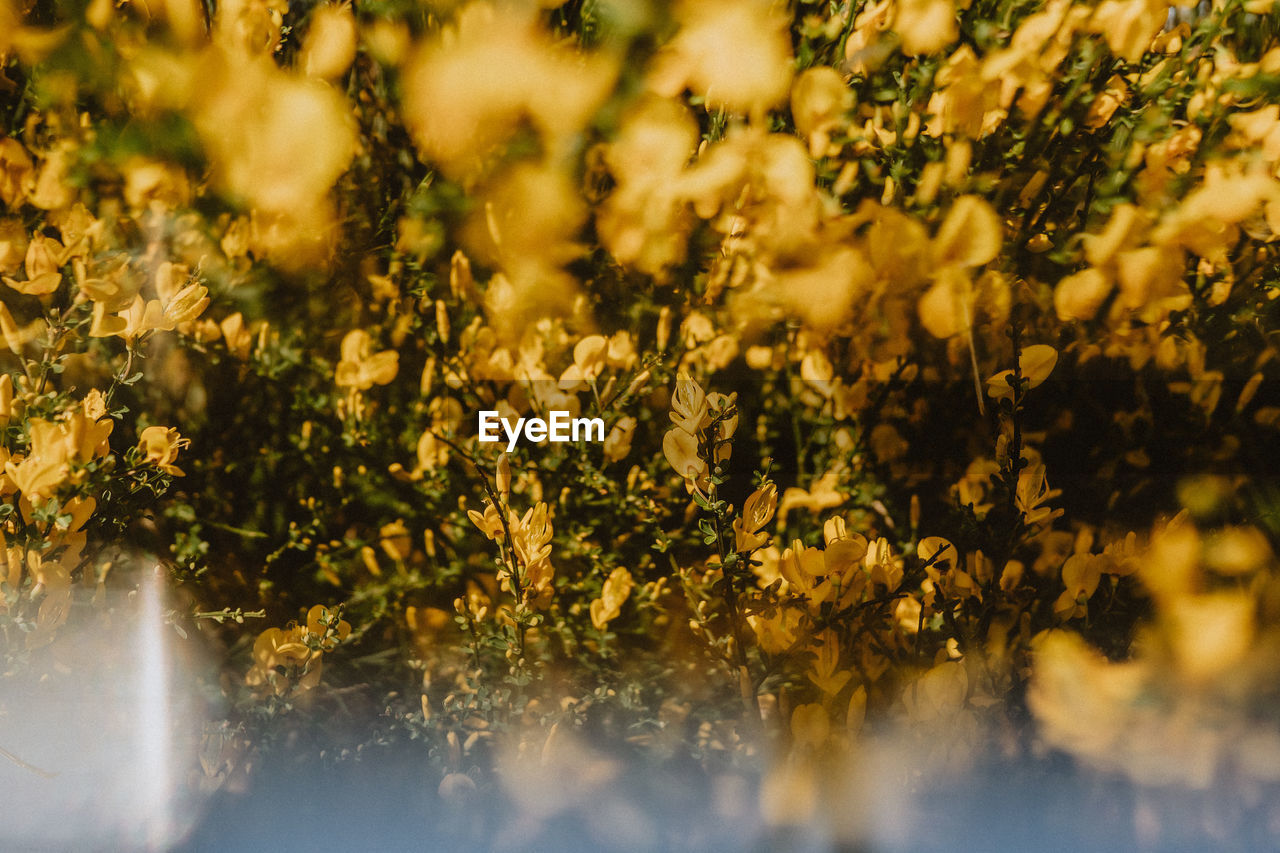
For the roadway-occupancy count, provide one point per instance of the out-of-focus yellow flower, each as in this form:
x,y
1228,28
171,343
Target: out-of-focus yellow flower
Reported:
x,y
776,632
16,164
160,446
617,444
810,726
939,693
329,47
1211,633
360,368
395,542
617,588
925,26
153,184
645,221
822,495
239,340
1080,295
1129,26
277,142
589,356
866,49
461,97
826,672
735,53
819,100
962,101
970,236
13,245
252,27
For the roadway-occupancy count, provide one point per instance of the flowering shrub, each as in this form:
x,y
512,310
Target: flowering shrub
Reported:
x,y
934,344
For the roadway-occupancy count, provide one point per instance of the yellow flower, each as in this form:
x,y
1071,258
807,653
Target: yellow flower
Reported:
x,y
826,672
1079,296
776,633
160,446
970,236
617,588
734,52
884,567
395,541
45,256
757,512
926,26
1035,363
186,305
822,495
330,44
55,445
819,99
15,169
589,356
276,648
360,368
810,726
238,339
681,451
1033,495
689,411
1129,25
617,444
325,628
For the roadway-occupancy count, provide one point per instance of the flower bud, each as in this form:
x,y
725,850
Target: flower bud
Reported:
x,y
504,478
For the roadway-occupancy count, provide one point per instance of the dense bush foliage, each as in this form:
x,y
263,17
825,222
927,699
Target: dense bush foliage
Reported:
x,y
934,342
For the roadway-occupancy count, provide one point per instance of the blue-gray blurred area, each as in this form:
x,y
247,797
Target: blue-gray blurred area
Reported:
x,y
99,729
388,800
114,744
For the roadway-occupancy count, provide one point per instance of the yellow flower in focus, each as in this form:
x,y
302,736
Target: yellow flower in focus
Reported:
x,y
883,565
1033,495
757,511
160,446
1035,363
324,627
